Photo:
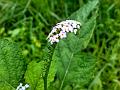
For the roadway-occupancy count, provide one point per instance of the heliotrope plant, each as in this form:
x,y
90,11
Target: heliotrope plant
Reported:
x,y
62,60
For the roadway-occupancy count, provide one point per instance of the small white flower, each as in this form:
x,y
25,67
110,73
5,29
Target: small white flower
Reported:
x,y
74,25
20,87
58,26
56,38
51,40
71,28
66,28
78,25
62,34
75,31
53,30
63,29
26,86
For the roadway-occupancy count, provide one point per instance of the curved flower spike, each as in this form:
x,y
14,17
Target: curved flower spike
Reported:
x,y
60,30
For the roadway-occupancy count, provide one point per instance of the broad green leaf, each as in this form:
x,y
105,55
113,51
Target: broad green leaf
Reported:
x,y
82,14
12,65
33,75
75,68
72,66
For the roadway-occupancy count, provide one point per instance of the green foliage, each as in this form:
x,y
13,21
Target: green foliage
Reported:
x,y
51,74
73,67
12,65
83,13
105,46
29,22
33,75
40,74
66,53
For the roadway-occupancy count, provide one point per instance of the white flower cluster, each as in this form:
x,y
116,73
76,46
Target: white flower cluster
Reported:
x,y
60,30
20,87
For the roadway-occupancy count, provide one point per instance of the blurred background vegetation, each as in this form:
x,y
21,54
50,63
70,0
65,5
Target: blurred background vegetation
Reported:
x,y
28,22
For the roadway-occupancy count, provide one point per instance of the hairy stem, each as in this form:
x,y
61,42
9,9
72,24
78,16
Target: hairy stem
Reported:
x,y
48,60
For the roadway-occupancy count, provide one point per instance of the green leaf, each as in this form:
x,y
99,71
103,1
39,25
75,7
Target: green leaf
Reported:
x,y
12,65
86,32
72,66
82,14
35,72
33,75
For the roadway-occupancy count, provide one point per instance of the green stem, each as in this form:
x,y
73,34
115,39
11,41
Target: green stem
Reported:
x,y
49,55
46,75
45,83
